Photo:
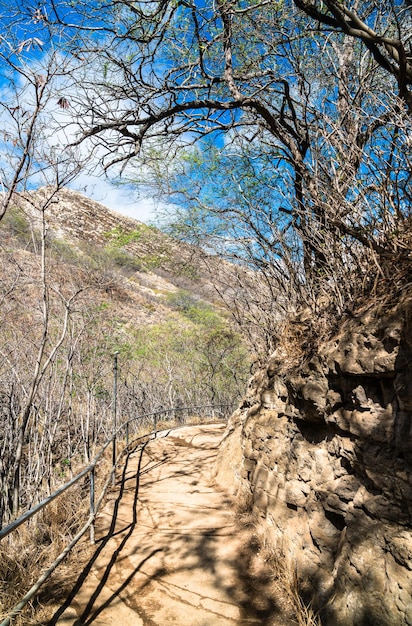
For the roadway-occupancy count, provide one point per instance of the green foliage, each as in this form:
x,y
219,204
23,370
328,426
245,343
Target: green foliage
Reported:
x,y
181,300
64,251
152,261
188,270
197,311
101,392
124,260
120,237
202,360
17,224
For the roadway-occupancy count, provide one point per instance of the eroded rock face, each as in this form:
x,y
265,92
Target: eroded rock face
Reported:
x,y
326,461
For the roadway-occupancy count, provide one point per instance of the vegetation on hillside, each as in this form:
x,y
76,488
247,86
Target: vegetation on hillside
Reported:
x,y
281,133
65,310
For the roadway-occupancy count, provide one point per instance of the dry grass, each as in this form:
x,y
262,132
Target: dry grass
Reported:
x,y
28,551
285,585
166,424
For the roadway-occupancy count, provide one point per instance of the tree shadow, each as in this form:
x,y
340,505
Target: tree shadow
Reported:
x,y
88,616
193,541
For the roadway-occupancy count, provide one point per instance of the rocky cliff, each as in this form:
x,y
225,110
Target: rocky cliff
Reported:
x,y
321,450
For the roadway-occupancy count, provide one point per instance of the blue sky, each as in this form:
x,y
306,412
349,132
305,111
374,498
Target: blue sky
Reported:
x,y
26,43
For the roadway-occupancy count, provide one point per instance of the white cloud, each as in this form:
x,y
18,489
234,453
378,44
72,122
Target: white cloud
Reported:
x,y
58,130
91,181
121,199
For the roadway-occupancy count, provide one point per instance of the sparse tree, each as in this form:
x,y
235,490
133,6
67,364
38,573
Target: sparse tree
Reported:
x,y
383,27
33,154
305,105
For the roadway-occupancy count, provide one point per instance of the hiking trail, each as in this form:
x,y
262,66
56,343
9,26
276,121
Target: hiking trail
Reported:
x,y
169,549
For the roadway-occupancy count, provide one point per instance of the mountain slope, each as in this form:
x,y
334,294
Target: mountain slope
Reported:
x,y
97,284
159,260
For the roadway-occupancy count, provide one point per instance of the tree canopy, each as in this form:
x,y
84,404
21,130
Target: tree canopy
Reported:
x,y
281,128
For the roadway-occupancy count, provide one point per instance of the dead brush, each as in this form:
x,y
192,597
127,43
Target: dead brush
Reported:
x,y
166,424
18,561
285,583
193,420
28,551
244,507
287,580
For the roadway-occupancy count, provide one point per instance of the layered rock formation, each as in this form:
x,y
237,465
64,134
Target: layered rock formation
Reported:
x,y
322,451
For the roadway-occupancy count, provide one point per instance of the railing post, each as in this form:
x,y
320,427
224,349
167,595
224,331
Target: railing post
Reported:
x,y
114,413
92,504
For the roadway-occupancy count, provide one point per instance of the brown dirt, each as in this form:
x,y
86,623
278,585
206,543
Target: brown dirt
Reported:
x,y
169,549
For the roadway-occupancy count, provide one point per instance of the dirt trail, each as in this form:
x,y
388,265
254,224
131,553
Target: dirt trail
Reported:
x,y
168,549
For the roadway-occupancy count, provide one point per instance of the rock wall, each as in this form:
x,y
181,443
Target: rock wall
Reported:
x,y
322,451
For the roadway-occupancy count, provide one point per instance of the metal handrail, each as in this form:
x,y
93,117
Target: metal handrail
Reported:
x,y
38,507
93,507
41,505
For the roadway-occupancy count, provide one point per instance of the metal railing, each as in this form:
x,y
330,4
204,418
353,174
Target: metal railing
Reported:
x,y
181,414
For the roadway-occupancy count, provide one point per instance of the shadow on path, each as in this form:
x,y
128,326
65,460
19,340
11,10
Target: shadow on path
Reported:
x,y
88,615
189,562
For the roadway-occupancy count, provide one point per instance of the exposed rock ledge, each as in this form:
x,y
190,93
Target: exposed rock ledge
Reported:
x,y
323,452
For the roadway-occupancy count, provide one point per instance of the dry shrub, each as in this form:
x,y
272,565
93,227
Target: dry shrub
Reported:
x,y
28,551
285,585
194,420
166,424
198,420
244,506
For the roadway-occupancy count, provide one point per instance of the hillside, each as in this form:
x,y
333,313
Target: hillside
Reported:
x,y
146,272
157,264
94,284
153,264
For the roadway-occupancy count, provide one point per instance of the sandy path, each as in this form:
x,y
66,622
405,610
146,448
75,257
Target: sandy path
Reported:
x,y
168,550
